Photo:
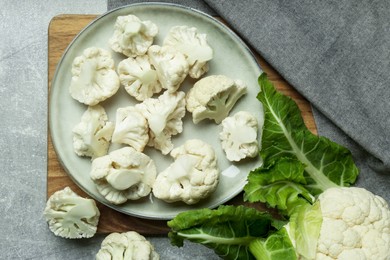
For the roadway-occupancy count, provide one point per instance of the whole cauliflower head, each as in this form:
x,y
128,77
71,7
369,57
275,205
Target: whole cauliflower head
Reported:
x,y
124,174
93,77
126,246
131,128
213,97
193,45
71,216
356,225
132,37
138,77
171,66
239,136
164,115
193,176
91,137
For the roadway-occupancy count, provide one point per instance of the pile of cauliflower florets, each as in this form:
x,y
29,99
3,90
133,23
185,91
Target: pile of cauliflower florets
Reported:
x,y
153,76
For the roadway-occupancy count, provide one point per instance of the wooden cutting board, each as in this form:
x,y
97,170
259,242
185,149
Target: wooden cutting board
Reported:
x,y
62,30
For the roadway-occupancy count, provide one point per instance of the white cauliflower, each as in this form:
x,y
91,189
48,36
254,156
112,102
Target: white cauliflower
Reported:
x,y
131,128
132,37
193,45
355,225
138,77
239,136
194,175
164,115
71,216
91,137
171,66
126,246
124,174
93,77
213,97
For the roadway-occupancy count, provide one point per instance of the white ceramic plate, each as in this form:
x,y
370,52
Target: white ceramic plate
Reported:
x,y
231,58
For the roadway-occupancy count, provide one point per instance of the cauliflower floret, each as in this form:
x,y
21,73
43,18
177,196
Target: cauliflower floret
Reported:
x,y
91,137
193,176
213,97
94,78
123,174
132,37
239,136
138,77
164,116
131,128
171,66
193,45
128,246
355,223
71,216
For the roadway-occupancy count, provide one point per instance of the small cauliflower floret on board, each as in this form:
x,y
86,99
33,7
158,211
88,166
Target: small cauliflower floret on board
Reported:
x,y
124,174
126,246
171,66
71,216
138,77
131,128
239,136
132,36
93,77
213,97
356,225
164,115
193,176
193,45
91,137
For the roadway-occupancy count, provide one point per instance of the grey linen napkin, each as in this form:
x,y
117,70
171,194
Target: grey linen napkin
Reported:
x,y
337,55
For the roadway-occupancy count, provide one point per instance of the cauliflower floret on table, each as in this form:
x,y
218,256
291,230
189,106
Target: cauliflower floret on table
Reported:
x,y
213,97
138,77
93,77
124,174
132,36
356,224
131,128
193,45
128,246
193,176
239,136
171,66
164,115
71,216
91,137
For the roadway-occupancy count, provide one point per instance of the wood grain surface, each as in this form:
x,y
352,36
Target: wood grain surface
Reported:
x,y
62,30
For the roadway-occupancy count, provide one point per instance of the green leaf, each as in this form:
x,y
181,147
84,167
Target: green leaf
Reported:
x,y
281,185
228,230
277,246
327,164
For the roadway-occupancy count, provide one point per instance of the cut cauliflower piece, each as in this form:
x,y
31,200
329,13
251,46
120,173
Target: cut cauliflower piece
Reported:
x,y
138,77
71,216
164,115
126,246
193,176
131,128
124,174
93,77
239,136
193,45
213,97
171,66
91,137
132,37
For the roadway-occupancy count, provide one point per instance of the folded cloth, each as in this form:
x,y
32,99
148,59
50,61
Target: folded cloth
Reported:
x,y
337,55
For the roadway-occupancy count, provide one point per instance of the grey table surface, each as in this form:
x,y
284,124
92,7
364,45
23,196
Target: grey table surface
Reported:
x,y
23,144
